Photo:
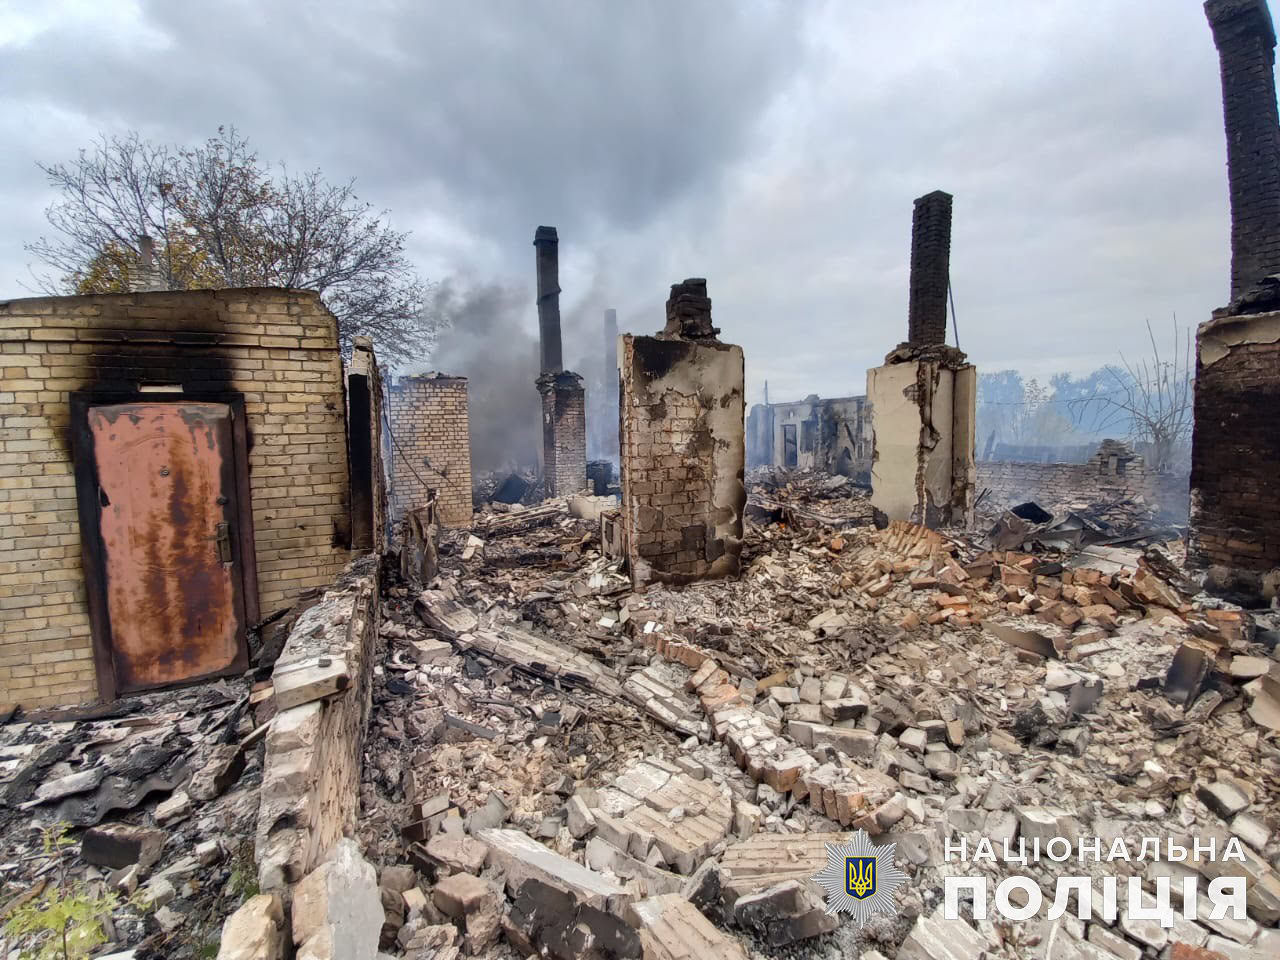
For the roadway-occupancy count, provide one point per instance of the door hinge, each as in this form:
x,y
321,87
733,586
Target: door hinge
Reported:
x,y
224,542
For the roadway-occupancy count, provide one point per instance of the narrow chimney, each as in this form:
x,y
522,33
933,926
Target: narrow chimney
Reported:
x,y
146,251
1246,41
930,269
547,258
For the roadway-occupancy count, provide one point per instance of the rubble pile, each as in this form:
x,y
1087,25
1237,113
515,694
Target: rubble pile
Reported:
x,y
600,759
558,765
151,800
806,498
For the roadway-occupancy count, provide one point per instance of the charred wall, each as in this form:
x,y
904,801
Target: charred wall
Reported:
x,y
683,455
1235,493
278,348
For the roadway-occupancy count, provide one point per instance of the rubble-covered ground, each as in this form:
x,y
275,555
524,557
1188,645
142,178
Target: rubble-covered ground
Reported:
x,y
862,657
548,746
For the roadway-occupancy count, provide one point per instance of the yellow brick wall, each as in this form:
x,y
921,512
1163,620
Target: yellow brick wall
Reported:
x,y
429,421
277,347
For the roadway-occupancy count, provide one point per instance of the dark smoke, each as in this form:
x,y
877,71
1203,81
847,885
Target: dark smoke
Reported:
x,y
485,338
489,335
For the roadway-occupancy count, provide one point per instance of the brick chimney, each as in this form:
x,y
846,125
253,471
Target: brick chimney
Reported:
x,y
930,269
547,259
149,277
1246,41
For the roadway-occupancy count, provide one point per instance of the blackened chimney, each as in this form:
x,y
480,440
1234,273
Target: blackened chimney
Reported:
x,y
1246,41
930,269
547,258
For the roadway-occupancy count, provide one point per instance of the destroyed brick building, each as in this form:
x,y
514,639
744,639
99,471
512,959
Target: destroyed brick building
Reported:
x,y
831,435
231,404
923,399
1235,496
431,446
683,446
1114,472
559,730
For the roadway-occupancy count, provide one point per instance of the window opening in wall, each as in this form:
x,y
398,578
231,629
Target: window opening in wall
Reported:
x,y
808,436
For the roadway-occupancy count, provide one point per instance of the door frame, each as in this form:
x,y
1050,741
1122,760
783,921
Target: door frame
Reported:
x,y
93,553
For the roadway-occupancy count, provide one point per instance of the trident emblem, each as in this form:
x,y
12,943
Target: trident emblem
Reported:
x,y
861,880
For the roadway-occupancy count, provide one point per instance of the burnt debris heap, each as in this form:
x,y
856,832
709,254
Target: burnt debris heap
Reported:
x,y
564,422
683,446
923,399
1235,512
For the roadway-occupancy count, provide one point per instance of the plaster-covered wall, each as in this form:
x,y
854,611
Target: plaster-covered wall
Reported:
x,y
683,457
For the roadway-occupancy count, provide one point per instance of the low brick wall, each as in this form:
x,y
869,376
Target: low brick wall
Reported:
x,y
1055,483
311,774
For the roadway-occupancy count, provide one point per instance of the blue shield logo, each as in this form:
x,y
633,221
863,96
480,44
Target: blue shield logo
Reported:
x,y
860,877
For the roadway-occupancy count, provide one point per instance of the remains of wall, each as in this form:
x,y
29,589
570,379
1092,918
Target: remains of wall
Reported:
x,y
923,418
279,348
827,434
1114,472
310,789
432,447
1235,490
365,453
564,433
683,446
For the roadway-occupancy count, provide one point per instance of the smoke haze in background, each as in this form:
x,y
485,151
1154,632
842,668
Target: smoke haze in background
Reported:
x,y
490,337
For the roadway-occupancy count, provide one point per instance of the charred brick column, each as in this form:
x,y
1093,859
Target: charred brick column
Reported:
x,y
564,409
547,260
1246,41
564,433
683,446
1235,445
930,269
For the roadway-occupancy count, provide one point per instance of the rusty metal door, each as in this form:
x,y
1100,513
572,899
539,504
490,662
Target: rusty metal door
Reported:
x,y
170,557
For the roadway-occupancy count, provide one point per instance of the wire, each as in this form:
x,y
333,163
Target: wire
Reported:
x,y
409,463
954,326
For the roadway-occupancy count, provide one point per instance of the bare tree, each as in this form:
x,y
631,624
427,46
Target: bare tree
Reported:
x,y
1154,396
221,218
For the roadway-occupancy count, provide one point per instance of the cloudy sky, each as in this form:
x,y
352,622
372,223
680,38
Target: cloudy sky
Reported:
x,y
774,148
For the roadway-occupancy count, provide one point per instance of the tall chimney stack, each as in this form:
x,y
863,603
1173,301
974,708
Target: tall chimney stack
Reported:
x,y
1246,42
547,258
930,269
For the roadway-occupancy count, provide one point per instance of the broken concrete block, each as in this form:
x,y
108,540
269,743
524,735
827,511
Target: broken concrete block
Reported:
x,y
914,739
936,938
1222,797
1251,830
314,679
429,651
209,852
221,770
172,809
118,845
457,852
255,931
520,858
337,908
784,913
471,900
578,818
672,928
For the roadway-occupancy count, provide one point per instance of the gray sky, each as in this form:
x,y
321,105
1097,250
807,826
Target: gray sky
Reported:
x,y
774,148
